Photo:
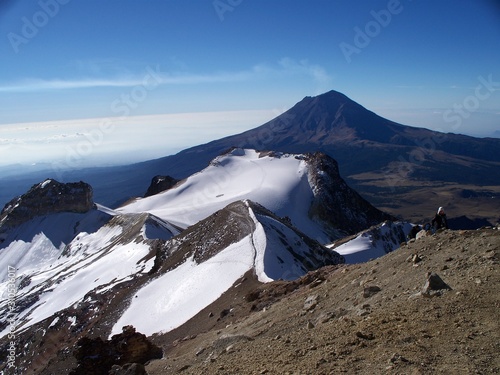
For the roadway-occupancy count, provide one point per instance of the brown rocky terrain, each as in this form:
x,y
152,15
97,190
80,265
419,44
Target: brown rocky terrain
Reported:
x,y
383,316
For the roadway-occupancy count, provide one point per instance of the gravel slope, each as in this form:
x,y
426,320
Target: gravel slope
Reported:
x,y
364,319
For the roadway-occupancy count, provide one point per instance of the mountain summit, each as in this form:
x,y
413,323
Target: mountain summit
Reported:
x,y
394,166
332,118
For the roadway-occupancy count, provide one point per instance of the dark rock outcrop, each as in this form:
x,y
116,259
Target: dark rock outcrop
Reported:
x,y
47,197
335,203
159,184
97,357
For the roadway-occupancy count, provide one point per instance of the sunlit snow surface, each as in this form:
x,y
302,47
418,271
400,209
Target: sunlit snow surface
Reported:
x,y
62,257
176,296
278,183
61,269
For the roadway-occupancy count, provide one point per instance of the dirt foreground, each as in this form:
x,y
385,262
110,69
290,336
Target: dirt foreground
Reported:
x,y
380,317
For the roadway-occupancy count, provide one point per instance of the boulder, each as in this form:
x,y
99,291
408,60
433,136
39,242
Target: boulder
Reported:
x,y
98,357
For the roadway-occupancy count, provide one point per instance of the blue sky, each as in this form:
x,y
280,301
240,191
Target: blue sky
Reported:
x,y
433,64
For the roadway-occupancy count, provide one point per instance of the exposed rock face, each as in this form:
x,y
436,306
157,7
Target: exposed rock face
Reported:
x,y
47,197
159,184
335,203
96,356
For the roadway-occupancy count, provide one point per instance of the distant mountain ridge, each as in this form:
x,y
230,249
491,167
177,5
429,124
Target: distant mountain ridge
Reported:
x,y
378,157
358,139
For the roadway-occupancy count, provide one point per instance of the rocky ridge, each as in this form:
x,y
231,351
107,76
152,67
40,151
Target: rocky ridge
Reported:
x,y
47,197
335,203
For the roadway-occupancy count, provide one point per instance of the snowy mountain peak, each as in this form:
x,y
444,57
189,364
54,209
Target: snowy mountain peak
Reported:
x,y
305,188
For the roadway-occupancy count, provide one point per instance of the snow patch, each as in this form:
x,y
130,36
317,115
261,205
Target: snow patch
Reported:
x,y
176,296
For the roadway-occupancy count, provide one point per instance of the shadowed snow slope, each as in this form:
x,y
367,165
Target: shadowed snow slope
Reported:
x,y
59,258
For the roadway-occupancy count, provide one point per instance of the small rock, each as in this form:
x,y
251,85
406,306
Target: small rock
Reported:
x,y
365,336
310,325
311,302
434,282
128,369
397,358
434,286
371,291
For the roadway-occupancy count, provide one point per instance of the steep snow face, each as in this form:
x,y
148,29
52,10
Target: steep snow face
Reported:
x,y
55,271
277,181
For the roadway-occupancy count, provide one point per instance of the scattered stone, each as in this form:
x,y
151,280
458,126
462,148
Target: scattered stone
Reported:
x,y
397,358
423,233
326,317
311,302
371,291
416,259
434,286
365,336
315,283
183,368
128,369
310,325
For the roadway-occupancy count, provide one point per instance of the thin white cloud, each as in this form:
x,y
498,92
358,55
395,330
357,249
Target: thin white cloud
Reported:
x,y
87,142
58,84
285,66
